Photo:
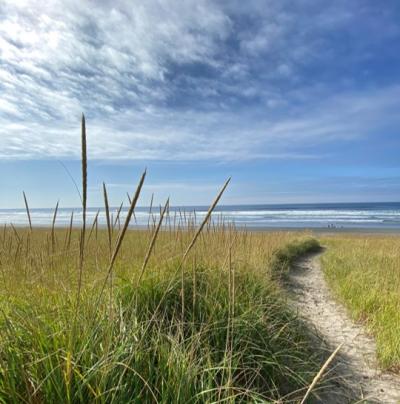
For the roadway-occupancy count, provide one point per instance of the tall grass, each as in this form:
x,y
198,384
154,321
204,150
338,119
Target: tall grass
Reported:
x,y
364,272
235,339
192,313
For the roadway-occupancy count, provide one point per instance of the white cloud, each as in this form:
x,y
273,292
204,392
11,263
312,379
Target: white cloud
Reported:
x,y
167,135
136,69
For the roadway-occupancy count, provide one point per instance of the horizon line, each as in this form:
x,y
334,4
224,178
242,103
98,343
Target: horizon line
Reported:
x,y
224,205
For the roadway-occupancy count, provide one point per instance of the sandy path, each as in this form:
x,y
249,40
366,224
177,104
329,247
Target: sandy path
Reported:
x,y
357,362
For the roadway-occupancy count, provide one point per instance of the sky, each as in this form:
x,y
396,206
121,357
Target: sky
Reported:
x,y
298,101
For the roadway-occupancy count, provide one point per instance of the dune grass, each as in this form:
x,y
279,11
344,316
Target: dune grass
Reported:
x,y
215,330
364,273
182,312
285,257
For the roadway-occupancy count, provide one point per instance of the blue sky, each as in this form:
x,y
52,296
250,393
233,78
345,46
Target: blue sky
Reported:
x,y
297,101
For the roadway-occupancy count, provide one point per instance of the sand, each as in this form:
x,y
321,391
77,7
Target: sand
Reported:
x,y
355,368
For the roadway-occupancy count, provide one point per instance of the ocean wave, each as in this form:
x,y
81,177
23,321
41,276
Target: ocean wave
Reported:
x,y
284,217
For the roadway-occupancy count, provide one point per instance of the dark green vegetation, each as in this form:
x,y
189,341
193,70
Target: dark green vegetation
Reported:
x,y
285,257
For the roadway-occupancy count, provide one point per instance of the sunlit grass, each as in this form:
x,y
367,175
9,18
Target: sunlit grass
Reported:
x,y
181,312
216,329
364,272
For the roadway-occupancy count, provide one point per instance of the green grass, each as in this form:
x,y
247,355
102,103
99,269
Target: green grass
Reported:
x,y
191,314
215,330
364,273
285,257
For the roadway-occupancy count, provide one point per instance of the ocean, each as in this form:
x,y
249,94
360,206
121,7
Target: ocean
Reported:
x,y
372,216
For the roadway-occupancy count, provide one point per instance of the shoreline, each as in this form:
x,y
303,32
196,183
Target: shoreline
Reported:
x,y
256,229
328,231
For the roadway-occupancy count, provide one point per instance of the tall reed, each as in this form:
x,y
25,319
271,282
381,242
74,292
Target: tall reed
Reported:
x,y
123,231
27,211
153,241
117,220
53,225
83,230
108,220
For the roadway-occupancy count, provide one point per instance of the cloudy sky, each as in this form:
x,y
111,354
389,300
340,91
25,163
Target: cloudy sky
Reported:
x,y
297,101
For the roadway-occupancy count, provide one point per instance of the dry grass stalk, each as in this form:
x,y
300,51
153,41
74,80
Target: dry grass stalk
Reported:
x,y
150,210
97,228
320,373
107,208
153,241
205,220
84,195
128,217
27,211
168,220
118,214
83,232
53,224
130,201
84,202
84,172
94,224
122,233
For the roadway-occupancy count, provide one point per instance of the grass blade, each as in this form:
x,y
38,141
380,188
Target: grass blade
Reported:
x,y
122,233
53,224
320,373
205,220
27,211
108,220
153,241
